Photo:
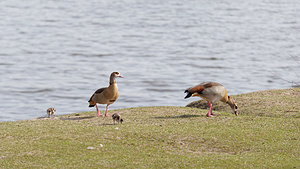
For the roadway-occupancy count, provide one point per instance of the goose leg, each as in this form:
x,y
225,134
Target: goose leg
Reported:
x,y
209,114
106,111
98,112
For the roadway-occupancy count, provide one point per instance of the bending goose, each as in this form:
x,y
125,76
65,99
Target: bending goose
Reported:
x,y
211,92
107,95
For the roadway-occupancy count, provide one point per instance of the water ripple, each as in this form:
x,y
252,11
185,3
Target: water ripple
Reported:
x,y
34,91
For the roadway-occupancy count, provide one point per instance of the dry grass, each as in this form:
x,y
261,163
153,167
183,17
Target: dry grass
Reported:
x,y
162,137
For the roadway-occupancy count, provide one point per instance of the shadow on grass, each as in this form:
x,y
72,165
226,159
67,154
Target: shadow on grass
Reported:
x,y
109,124
76,118
176,117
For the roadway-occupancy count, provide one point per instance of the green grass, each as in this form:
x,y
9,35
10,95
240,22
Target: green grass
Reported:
x,y
263,136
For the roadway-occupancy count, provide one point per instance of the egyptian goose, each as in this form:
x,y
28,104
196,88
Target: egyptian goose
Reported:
x,y
117,117
211,92
107,95
51,112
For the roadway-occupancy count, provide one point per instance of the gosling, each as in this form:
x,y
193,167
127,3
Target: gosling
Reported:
x,y
51,112
117,117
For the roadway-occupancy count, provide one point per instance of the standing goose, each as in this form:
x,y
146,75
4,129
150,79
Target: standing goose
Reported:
x,y
211,92
107,95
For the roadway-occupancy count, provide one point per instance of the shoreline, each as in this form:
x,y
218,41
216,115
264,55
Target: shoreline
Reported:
x,y
202,104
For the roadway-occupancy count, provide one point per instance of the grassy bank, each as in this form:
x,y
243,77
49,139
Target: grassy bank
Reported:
x,y
265,135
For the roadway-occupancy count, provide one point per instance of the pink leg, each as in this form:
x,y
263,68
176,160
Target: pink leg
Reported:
x,y
98,112
106,111
209,114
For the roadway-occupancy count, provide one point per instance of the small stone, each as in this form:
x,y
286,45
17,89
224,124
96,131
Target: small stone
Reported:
x,y
101,145
90,148
117,128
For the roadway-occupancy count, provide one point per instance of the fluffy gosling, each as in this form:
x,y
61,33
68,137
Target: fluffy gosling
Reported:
x,y
117,117
51,112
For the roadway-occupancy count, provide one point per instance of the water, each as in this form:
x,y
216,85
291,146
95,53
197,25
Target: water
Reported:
x,y
57,53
